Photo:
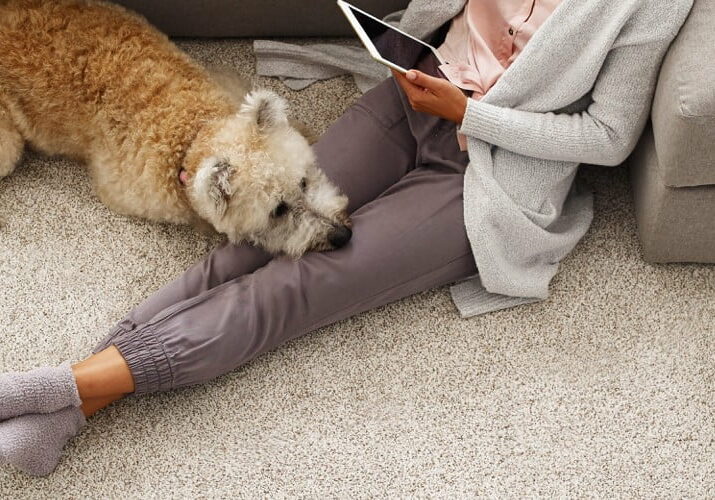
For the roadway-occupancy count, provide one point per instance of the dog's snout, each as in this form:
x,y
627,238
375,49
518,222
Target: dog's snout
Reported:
x,y
339,236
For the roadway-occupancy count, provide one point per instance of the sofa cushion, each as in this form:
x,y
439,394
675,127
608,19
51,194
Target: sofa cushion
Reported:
x,y
684,106
675,223
254,18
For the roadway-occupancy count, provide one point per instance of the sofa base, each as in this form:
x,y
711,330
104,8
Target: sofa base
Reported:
x,y
676,224
254,18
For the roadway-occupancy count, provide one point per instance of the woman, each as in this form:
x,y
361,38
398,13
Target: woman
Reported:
x,y
578,92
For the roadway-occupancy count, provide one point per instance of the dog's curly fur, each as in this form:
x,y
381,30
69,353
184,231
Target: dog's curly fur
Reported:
x,y
93,81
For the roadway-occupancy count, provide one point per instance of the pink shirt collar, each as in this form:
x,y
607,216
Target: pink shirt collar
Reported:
x,y
486,38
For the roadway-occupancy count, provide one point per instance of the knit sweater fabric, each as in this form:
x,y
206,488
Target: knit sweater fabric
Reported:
x,y
580,92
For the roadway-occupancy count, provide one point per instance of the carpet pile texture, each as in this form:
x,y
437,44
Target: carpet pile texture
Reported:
x,y
606,389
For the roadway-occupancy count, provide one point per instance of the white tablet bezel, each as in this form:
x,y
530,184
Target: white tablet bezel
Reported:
x,y
346,8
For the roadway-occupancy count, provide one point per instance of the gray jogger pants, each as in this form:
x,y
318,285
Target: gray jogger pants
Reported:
x,y
403,174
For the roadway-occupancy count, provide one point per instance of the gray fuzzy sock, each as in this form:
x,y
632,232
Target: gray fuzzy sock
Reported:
x,y
43,390
33,443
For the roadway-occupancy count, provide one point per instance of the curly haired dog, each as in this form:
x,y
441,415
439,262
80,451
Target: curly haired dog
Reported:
x,y
162,138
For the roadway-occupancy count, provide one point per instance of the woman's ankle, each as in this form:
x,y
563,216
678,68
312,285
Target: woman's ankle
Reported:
x,y
91,406
103,375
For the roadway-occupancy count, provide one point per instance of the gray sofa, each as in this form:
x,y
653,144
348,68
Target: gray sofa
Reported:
x,y
672,169
254,18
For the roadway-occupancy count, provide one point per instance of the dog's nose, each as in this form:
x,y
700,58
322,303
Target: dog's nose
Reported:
x,y
339,236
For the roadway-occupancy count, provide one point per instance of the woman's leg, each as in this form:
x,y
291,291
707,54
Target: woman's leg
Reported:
x,y
102,379
408,240
367,150
364,152
408,138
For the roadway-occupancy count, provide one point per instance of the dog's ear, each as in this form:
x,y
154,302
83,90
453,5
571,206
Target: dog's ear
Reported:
x,y
213,181
266,108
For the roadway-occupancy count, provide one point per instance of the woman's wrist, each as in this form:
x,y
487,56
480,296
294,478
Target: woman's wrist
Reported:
x,y
461,110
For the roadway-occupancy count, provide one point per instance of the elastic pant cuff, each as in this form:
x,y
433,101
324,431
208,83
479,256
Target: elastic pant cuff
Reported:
x,y
147,360
109,338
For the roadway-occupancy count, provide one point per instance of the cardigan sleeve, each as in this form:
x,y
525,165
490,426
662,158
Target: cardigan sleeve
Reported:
x,y
604,134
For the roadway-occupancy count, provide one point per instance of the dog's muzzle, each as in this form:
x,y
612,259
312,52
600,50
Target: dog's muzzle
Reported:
x,y
339,236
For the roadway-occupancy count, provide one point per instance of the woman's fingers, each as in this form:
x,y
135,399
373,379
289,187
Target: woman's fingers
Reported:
x,y
406,85
432,95
416,94
424,80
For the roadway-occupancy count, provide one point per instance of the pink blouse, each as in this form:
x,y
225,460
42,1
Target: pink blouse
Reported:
x,y
486,38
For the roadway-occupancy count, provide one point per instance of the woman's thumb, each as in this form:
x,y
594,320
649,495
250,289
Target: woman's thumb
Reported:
x,y
422,79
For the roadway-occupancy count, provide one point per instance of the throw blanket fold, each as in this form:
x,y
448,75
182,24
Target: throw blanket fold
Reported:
x,y
299,66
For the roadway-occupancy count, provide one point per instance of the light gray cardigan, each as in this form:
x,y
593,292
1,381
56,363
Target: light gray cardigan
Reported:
x,y
579,92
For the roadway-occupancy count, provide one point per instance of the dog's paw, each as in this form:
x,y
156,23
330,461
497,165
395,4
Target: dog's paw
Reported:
x,y
11,146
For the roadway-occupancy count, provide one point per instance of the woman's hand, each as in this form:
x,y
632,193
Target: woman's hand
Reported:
x,y
435,96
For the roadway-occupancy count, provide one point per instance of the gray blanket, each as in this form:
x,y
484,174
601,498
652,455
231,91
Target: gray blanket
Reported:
x,y
301,65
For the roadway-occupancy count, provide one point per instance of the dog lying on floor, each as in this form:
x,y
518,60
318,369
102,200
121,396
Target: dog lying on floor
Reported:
x,y
162,138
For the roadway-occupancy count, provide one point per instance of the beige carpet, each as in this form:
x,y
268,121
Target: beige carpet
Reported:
x,y
606,389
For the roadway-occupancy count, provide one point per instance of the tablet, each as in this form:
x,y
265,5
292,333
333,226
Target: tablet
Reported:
x,y
388,45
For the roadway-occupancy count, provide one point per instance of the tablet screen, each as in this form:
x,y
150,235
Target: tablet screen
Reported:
x,y
391,44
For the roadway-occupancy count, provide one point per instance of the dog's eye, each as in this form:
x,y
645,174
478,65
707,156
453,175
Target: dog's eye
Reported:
x,y
280,210
303,184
